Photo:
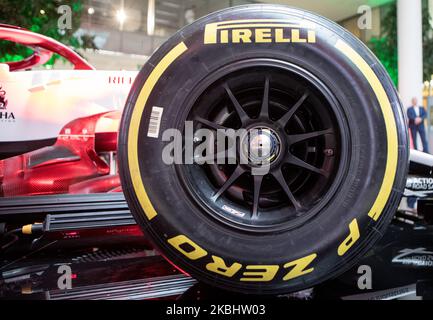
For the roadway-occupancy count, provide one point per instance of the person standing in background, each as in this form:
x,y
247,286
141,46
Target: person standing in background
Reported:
x,y
417,115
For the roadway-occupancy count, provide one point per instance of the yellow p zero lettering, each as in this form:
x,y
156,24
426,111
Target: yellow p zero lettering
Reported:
x,y
299,267
390,124
219,266
196,251
134,125
279,36
351,238
260,273
263,35
241,34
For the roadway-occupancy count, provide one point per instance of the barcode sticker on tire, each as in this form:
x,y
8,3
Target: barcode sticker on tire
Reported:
x,y
154,122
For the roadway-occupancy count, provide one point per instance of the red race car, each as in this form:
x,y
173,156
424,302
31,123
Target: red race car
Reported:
x,y
59,128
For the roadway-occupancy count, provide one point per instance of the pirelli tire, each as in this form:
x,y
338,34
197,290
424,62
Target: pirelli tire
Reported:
x,y
337,144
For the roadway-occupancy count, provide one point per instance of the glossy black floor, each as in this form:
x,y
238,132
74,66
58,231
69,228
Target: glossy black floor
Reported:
x,y
401,264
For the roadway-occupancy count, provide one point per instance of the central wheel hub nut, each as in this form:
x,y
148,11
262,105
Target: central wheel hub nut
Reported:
x,y
261,145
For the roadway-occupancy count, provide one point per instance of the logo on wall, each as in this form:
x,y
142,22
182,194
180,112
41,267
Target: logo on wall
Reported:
x,y
5,116
3,100
418,257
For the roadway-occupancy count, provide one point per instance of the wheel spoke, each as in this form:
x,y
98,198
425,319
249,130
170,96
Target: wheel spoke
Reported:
x,y
257,186
282,181
300,163
235,175
286,117
264,111
243,116
295,138
210,124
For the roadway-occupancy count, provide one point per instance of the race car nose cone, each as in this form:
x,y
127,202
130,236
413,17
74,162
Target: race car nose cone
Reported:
x,y
261,145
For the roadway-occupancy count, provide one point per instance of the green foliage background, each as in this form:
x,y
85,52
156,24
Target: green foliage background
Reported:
x,y
385,46
26,14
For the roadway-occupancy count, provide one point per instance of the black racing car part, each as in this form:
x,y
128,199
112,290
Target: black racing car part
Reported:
x,y
313,107
421,163
11,149
28,209
425,209
71,220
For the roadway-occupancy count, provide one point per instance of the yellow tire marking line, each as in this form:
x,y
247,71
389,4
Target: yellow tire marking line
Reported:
x,y
391,128
134,126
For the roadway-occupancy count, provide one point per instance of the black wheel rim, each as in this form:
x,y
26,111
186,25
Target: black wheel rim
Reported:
x,y
301,122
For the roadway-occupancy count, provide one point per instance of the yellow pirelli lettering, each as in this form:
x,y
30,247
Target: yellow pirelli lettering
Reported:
x,y
259,31
296,38
210,33
351,239
311,36
260,273
299,267
241,35
219,266
224,36
263,35
279,36
187,247
390,124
